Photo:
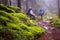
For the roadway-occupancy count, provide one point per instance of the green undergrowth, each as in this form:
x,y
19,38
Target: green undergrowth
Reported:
x,y
18,26
55,22
5,8
16,9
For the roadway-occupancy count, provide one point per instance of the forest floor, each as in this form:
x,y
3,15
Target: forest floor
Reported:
x,y
51,33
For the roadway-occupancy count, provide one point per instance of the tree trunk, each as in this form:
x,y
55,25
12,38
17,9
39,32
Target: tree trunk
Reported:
x,y
27,5
59,8
19,4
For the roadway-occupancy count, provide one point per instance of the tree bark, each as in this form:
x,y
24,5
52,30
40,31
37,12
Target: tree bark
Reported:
x,y
26,5
59,8
19,4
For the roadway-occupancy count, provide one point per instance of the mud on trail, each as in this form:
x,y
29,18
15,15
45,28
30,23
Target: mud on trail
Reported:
x,y
51,32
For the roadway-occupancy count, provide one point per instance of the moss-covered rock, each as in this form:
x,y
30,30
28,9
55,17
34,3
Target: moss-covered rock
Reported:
x,y
16,9
5,8
18,27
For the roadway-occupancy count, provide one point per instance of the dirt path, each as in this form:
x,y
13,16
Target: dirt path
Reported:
x,y
51,32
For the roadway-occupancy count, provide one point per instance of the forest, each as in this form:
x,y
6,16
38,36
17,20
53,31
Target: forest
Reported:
x,y
29,19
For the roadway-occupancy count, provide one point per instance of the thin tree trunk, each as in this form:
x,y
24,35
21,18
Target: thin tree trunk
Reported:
x,y
26,5
59,8
9,2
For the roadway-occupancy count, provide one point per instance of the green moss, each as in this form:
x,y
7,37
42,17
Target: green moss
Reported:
x,y
18,27
55,22
16,9
5,8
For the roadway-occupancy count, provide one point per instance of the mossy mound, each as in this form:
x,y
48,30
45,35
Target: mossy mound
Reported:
x,y
5,8
55,22
17,26
16,9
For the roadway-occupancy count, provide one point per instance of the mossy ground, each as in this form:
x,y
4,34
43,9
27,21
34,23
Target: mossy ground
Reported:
x,y
17,26
55,22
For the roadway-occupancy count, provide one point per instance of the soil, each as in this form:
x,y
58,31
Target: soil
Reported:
x,y
51,33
